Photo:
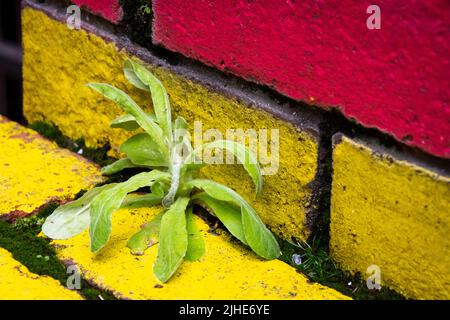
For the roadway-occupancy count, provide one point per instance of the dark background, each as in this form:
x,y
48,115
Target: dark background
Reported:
x,y
10,60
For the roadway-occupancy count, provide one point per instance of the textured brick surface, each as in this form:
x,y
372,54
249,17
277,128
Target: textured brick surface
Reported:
x,y
34,171
108,9
389,212
16,282
226,271
54,94
395,79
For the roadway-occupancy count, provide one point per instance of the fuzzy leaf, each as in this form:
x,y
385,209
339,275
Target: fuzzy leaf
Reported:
x,y
141,200
159,188
143,151
229,214
132,77
173,240
119,165
72,218
129,106
196,244
243,154
146,237
160,99
258,237
128,122
108,201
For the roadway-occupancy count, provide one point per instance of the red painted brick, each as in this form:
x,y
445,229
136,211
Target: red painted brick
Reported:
x,y
108,9
395,79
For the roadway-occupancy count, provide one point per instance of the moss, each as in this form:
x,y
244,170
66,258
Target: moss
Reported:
x,y
318,266
36,253
53,133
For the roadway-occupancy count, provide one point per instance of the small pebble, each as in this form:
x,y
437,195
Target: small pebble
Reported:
x,y
296,259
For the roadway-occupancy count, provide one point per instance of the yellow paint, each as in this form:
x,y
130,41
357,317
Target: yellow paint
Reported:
x,y
392,214
226,271
58,62
34,170
17,283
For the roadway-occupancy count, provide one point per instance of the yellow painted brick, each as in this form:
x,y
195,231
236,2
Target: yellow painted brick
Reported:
x,y
58,62
17,283
393,214
226,271
34,170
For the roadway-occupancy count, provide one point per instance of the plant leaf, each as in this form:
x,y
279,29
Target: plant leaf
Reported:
x,y
108,201
141,200
132,77
244,155
196,244
258,237
229,214
143,151
128,122
160,99
146,237
71,218
129,106
119,165
159,188
173,240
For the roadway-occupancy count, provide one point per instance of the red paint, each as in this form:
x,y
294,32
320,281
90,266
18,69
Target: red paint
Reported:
x,y
396,79
108,9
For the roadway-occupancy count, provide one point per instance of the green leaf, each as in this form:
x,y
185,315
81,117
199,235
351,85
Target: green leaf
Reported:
x,y
132,77
258,237
141,200
72,218
160,99
146,237
196,244
159,188
119,165
244,155
173,240
179,130
128,122
108,201
129,106
143,151
229,214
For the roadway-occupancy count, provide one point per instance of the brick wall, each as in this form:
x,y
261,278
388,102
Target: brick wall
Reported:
x,y
378,168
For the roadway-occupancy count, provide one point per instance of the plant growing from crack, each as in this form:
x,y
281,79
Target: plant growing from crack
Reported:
x,y
164,150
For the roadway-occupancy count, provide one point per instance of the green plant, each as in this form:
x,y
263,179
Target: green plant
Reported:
x,y
164,151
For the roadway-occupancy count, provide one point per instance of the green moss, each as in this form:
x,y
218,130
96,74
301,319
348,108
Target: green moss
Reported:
x,y
36,253
52,132
318,266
